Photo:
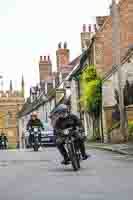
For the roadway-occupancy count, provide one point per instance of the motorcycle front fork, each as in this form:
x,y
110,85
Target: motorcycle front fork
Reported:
x,y
77,149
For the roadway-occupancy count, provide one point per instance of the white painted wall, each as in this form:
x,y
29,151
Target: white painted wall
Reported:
x,y
112,83
74,97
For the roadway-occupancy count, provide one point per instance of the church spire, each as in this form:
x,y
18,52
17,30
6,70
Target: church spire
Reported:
x,y
22,86
11,87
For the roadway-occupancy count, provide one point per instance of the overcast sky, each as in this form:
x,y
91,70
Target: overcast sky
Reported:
x,y
30,28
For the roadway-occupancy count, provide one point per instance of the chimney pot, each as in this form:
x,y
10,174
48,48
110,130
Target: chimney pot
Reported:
x,y
84,28
59,45
40,58
65,45
49,60
44,58
95,27
89,28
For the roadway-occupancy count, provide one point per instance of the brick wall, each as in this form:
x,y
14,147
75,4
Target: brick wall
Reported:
x,y
104,47
103,40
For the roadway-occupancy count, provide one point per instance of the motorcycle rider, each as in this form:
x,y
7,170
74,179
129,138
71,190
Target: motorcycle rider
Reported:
x,y
34,122
3,138
61,119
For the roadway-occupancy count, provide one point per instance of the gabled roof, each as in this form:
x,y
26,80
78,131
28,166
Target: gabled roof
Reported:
x,y
66,69
75,61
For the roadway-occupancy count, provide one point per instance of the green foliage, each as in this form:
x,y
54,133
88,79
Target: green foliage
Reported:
x,y
130,128
89,74
91,91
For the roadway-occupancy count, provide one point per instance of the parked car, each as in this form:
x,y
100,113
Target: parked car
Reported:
x,y
48,138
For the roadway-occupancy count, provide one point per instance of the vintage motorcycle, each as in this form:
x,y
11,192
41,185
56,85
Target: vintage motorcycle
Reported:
x,y
72,147
35,133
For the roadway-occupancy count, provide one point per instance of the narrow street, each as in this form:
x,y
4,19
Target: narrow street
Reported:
x,y
26,175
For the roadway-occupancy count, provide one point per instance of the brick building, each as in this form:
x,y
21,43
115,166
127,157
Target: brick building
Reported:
x,y
102,52
104,40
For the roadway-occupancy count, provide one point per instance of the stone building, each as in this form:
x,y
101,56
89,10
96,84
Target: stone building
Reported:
x,y
11,103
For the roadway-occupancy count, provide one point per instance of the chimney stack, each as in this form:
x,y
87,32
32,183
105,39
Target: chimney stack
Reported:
x,y
86,37
62,56
45,68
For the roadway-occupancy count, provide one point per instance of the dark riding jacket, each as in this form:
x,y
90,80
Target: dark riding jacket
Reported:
x,y
34,123
68,121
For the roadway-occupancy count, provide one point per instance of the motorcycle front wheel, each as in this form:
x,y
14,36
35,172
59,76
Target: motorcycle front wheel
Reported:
x,y
35,147
73,157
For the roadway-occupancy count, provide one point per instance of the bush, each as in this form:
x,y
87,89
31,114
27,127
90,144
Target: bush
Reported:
x,y
91,97
130,128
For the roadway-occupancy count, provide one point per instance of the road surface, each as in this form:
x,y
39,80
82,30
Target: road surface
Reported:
x,y
27,175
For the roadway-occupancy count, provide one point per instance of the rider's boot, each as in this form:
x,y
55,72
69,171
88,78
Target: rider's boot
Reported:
x,y
64,153
85,156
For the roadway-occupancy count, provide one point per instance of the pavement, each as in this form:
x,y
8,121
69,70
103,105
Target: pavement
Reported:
x,y
28,175
125,149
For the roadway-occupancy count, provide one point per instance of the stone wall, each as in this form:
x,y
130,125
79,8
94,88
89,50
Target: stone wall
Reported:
x,y
108,115
115,136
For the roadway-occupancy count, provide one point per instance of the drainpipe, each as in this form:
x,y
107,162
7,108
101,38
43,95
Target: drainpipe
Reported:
x,y
78,84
